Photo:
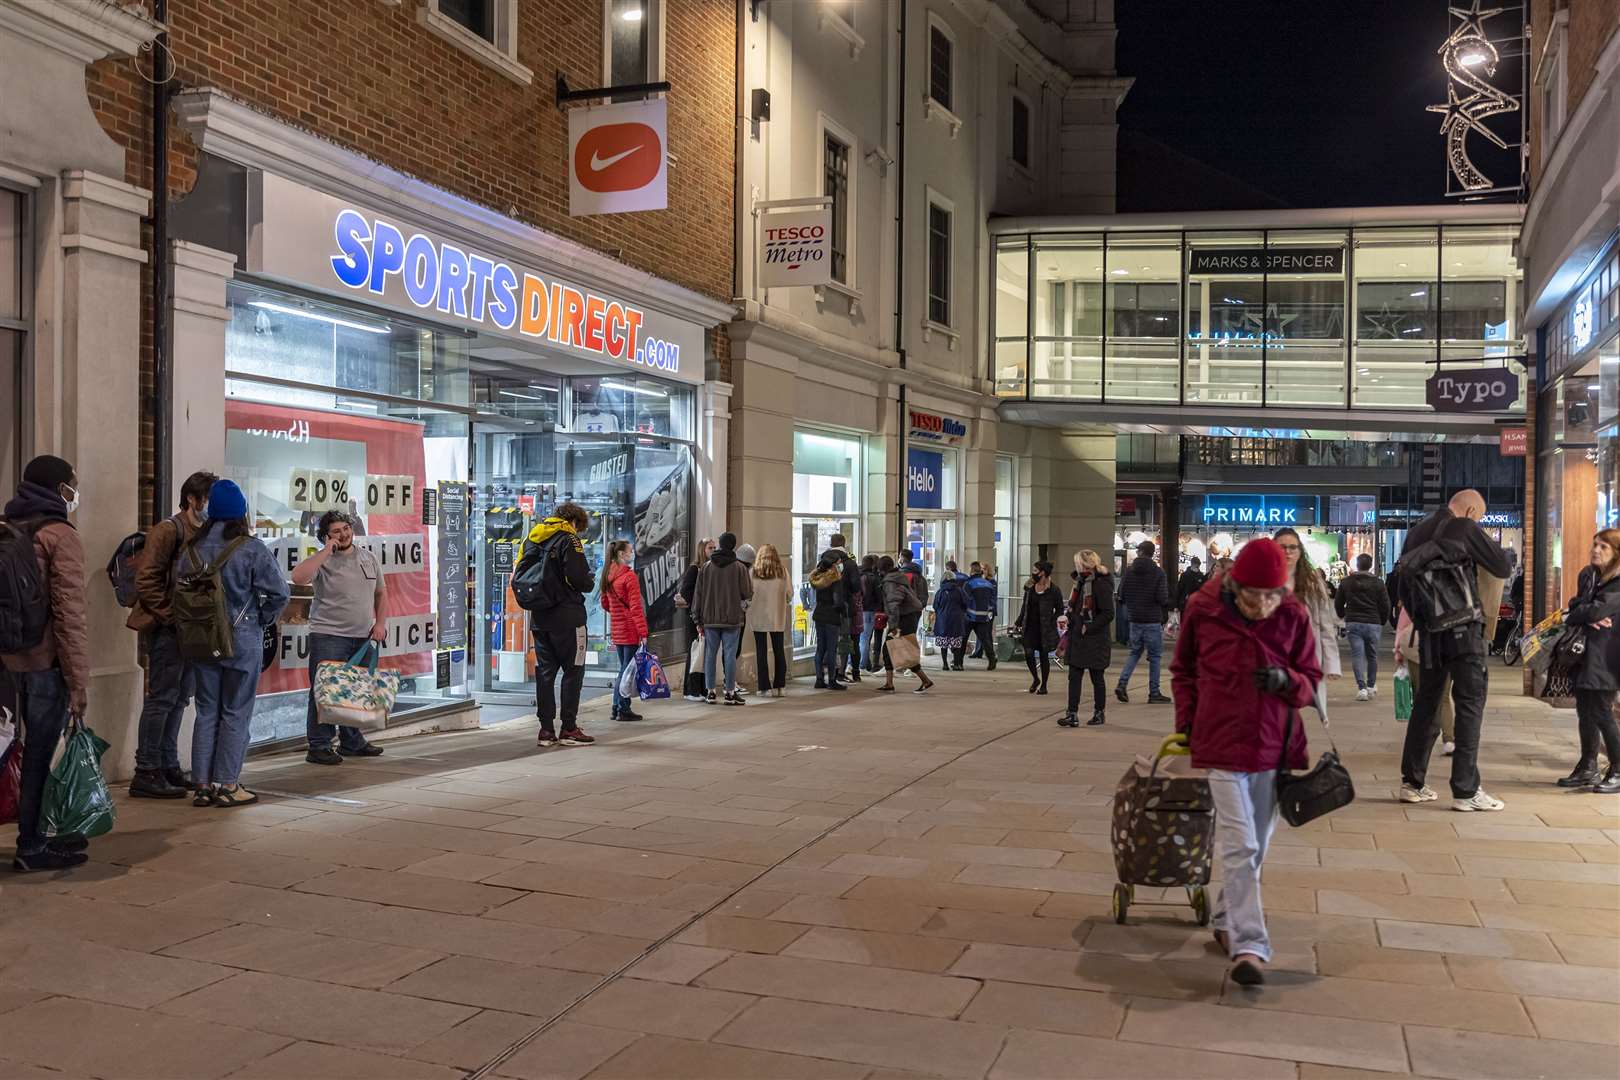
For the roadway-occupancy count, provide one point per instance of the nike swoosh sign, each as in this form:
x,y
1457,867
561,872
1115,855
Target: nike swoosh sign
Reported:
x,y
600,163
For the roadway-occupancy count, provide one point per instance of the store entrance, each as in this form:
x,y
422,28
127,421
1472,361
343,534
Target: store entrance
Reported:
x,y
633,488
932,541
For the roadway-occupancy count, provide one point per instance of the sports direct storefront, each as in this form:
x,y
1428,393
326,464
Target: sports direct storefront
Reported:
x,y
447,377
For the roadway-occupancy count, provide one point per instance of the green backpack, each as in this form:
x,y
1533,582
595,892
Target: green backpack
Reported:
x,y
202,622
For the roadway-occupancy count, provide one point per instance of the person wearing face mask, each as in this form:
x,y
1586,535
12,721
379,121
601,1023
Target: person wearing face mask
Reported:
x,y
620,590
1244,665
1090,610
1596,605
347,612
1037,624
48,642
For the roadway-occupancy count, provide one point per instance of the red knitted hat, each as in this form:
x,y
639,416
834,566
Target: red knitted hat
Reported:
x,y
1261,565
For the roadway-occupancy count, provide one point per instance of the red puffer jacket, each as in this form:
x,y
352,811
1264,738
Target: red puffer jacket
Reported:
x,y
1231,723
622,601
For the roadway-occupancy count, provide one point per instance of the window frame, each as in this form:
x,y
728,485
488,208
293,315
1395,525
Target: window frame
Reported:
x,y
935,201
828,128
1552,84
653,14
1017,99
931,105
499,52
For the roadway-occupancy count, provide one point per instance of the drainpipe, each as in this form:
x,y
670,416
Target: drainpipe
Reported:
x,y
162,404
900,284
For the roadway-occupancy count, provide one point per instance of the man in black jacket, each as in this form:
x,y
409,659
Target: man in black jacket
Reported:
x,y
1363,603
835,605
1192,579
557,619
1146,592
1449,535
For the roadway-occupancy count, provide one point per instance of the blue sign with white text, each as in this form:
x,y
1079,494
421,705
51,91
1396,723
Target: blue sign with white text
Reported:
x,y
1259,511
925,479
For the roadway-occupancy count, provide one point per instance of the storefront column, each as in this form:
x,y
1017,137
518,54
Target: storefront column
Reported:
x,y
713,454
92,420
1071,494
762,422
885,477
198,276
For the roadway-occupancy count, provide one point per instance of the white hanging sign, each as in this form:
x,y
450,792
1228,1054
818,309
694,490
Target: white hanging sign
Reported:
x,y
795,248
618,158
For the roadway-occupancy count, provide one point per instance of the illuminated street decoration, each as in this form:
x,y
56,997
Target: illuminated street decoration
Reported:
x,y
1470,59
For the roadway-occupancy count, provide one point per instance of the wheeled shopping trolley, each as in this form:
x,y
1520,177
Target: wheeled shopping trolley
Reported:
x,y
1163,831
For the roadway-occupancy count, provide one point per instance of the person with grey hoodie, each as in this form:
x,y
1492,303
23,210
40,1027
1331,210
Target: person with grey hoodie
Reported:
x,y
720,607
903,611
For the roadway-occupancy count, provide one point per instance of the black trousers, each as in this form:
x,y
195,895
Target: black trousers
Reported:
x,y
1595,711
555,649
762,668
1044,669
984,632
1098,689
1468,686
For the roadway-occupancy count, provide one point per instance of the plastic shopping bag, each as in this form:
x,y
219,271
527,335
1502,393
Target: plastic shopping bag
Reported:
x,y
627,680
76,798
10,782
1403,693
651,682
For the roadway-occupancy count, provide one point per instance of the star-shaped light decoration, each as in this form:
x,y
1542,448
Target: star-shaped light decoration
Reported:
x,y
1473,22
1464,112
1387,322
1272,323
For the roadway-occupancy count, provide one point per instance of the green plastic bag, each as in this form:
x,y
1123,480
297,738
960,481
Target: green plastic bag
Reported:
x,y
1403,694
76,797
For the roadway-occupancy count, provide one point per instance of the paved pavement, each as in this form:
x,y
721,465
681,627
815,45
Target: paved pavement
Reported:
x,y
828,885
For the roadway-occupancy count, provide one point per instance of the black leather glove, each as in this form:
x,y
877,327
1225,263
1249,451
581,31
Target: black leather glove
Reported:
x,y
1272,680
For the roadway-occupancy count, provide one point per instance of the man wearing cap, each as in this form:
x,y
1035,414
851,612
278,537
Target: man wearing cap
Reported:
x,y
347,613
52,673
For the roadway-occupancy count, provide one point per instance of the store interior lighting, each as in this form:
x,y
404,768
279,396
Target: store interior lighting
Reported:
x,y
632,15
649,391
317,317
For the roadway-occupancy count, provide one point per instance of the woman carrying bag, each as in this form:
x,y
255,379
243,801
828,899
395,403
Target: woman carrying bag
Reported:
x,y
693,687
1245,663
1594,609
619,589
1037,624
903,611
1086,621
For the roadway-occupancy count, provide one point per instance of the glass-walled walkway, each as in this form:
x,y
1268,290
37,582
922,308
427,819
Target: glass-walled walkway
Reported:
x,y
1349,317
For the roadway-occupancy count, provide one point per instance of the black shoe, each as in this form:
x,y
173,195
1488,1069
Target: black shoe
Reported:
x,y
854,676
958,667
152,784
992,666
821,684
1159,699
47,860
734,698
1248,973
1034,685
1042,690
68,842
629,715
835,685
1585,775
178,777
1124,698
324,756
1069,719
1097,719
1610,784
363,750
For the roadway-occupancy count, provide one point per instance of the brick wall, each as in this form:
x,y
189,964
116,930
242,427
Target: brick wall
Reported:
x,y
1591,24
367,75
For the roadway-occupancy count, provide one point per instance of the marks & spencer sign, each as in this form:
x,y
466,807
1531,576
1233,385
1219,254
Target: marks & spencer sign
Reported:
x,y
322,242
1325,260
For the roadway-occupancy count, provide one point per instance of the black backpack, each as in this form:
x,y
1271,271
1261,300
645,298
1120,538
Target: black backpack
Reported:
x,y
1441,586
536,585
25,608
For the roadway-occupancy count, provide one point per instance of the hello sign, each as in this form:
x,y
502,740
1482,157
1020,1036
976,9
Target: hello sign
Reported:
x,y
1477,390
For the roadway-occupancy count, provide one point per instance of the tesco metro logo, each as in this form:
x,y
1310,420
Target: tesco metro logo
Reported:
x,y
617,158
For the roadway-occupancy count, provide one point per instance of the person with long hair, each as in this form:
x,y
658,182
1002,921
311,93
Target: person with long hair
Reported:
x,y
1090,610
1595,607
255,593
902,611
768,619
692,686
1312,590
1036,625
619,589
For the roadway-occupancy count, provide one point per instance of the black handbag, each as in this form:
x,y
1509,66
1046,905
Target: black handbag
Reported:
x,y
1304,797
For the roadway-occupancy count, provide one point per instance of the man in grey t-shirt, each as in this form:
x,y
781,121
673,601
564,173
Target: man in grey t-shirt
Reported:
x,y
348,612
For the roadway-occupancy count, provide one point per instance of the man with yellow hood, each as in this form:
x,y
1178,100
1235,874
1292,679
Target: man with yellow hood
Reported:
x,y
550,582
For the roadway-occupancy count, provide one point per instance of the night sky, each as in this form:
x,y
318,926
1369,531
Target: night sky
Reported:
x,y
1312,102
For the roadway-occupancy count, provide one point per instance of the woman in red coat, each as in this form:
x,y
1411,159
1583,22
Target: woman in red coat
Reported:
x,y
1245,664
620,591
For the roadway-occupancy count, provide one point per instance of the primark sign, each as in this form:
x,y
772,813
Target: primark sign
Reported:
x,y
1259,511
1322,260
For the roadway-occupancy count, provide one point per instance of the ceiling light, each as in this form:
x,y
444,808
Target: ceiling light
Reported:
x,y
632,15
1147,268
317,316
1400,266
1096,269
1421,292
1453,264
608,384
1121,270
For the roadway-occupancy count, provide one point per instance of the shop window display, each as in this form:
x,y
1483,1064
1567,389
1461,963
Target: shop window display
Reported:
x,y
826,502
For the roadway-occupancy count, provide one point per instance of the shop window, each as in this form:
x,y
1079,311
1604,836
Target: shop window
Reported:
x,y
1304,338
941,65
1142,347
627,405
1005,536
632,41
1010,358
1226,318
1020,130
1552,89
939,263
1068,300
835,183
484,29
1394,295
13,328
827,478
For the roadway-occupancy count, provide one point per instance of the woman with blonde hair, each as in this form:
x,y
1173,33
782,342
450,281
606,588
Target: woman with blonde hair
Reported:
x,y
1312,590
1085,619
768,618
693,685
1595,607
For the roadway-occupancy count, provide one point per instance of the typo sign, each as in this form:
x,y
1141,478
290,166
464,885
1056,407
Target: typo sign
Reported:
x,y
795,249
927,427
1480,390
925,479
1327,260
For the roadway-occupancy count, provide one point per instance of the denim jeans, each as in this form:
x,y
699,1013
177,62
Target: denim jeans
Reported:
x,y
1364,641
1468,684
627,653
225,695
727,638
1148,638
329,647
168,689
826,652
867,661
42,705
1245,817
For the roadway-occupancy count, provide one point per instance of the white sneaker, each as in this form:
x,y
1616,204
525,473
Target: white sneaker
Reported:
x,y
1364,694
1448,748
1422,794
1480,801
1372,691
699,698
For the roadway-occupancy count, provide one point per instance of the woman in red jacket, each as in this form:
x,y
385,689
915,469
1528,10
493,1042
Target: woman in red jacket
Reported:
x,y
1245,664
620,591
